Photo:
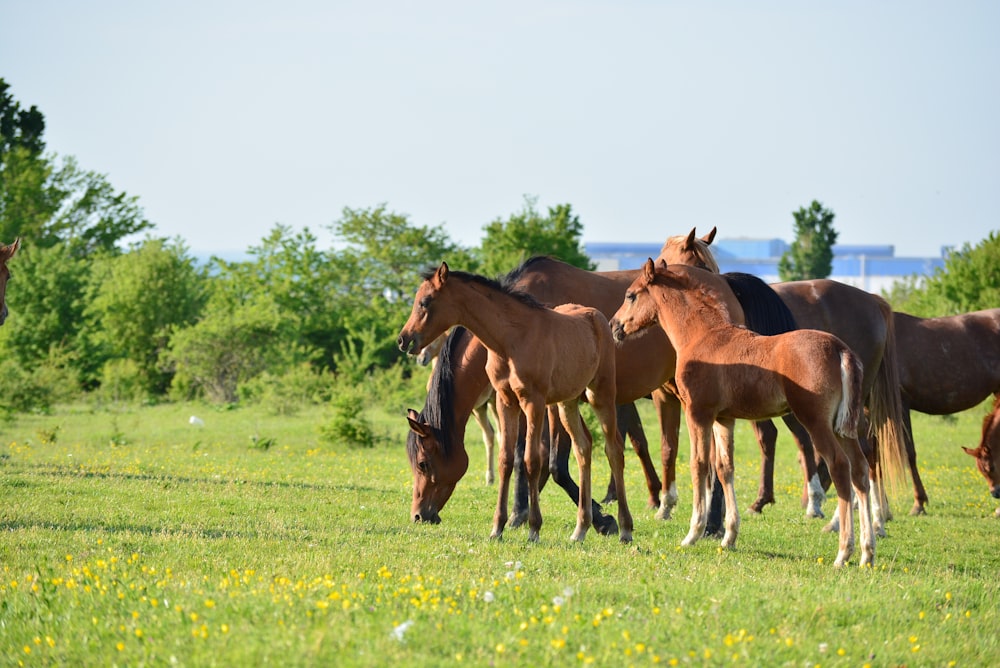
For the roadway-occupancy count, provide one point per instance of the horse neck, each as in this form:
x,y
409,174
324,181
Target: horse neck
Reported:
x,y
686,319
495,317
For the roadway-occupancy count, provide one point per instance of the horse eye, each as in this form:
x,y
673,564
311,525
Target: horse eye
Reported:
x,y
630,297
422,466
425,302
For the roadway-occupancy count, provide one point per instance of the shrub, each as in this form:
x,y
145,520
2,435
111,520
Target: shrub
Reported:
x,y
348,424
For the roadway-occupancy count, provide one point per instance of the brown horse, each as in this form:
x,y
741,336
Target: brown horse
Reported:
x,y
7,251
537,357
725,372
644,366
484,408
988,453
948,365
864,322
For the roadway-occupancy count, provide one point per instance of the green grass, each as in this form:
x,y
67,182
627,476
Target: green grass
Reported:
x,y
137,538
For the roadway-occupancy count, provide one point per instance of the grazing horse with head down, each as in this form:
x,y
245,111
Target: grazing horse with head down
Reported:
x,y
988,453
947,365
7,251
725,372
536,357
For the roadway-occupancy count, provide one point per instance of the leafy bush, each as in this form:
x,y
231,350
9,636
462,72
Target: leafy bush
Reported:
x,y
287,393
121,381
36,389
348,425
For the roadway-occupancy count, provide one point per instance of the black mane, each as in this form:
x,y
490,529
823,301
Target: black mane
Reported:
x,y
439,406
763,310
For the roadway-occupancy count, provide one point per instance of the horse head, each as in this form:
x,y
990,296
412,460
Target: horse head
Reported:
x,y
988,453
690,250
419,326
435,472
7,251
638,311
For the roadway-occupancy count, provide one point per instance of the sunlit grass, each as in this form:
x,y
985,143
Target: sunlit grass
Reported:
x,y
180,543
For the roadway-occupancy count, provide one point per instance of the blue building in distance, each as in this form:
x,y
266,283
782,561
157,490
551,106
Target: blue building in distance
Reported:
x,y
870,267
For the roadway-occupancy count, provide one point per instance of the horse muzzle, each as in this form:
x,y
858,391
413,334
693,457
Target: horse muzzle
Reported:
x,y
427,516
409,344
617,330
995,492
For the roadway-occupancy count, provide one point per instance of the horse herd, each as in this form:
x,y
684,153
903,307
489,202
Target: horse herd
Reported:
x,y
839,367
834,362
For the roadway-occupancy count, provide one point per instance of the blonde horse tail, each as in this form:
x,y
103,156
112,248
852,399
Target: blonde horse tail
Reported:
x,y
885,407
851,406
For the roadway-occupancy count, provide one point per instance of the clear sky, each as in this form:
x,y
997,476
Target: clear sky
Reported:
x,y
648,116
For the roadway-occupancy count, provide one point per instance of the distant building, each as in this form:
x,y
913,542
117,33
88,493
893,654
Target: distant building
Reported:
x,y
873,268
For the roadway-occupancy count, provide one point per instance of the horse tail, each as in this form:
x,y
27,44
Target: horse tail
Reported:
x,y
851,405
885,408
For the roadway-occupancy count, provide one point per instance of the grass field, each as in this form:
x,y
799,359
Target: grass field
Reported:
x,y
132,537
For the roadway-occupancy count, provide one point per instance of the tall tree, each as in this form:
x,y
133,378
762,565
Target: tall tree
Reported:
x,y
138,298
526,233
375,274
811,253
49,204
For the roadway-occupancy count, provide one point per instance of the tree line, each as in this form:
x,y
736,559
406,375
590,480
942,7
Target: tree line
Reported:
x,y
146,320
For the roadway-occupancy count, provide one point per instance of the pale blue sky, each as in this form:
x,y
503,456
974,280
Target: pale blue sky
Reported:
x,y
649,117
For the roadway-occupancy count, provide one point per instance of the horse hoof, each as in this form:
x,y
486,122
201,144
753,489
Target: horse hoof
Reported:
x,y
830,528
814,513
517,519
496,535
606,526
664,512
917,509
625,537
609,498
532,536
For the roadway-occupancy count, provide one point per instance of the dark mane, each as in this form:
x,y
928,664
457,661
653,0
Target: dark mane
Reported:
x,y
515,274
439,405
504,285
763,310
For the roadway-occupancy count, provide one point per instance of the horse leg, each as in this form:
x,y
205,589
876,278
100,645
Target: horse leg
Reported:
x,y
829,448
534,412
560,445
569,415
510,414
481,415
668,410
629,423
725,471
813,492
862,488
767,436
601,396
519,515
880,505
700,431
919,493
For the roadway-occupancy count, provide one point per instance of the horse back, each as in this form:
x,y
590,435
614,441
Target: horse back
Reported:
x,y
948,364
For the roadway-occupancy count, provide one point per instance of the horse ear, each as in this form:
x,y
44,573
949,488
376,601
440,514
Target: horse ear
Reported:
x,y
648,270
416,426
709,238
971,452
441,274
689,242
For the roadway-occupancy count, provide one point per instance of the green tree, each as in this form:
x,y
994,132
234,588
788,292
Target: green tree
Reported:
x,y
374,276
232,344
47,307
969,281
527,233
297,276
811,253
138,297
49,204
